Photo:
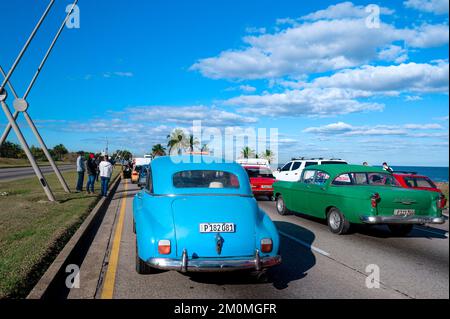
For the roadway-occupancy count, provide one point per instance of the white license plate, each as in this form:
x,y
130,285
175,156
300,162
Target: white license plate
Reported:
x,y
404,212
217,228
266,186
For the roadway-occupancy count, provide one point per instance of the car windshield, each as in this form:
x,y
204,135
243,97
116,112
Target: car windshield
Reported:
x,y
419,182
205,179
369,178
259,172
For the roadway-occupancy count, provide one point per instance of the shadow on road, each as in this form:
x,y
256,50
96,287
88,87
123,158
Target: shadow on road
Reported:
x,y
297,260
382,231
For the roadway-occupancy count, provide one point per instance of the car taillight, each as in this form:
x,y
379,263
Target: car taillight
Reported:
x,y
375,199
164,247
442,201
266,245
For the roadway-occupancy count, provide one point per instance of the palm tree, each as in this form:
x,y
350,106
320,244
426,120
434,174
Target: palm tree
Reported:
x,y
268,155
158,150
177,141
247,152
204,148
193,142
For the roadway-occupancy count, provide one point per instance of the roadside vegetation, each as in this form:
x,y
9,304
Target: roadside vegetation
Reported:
x,y
33,231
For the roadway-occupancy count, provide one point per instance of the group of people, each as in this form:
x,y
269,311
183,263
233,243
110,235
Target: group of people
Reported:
x,y
96,168
386,167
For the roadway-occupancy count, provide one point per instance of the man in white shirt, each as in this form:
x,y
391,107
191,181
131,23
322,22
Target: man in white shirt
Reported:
x,y
81,167
106,169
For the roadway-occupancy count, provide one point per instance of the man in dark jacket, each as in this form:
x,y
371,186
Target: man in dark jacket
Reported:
x,y
92,173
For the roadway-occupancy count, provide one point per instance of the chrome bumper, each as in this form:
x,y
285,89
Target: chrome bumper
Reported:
x,y
401,220
214,265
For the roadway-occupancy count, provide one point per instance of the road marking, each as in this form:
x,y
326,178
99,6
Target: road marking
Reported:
x,y
110,278
301,242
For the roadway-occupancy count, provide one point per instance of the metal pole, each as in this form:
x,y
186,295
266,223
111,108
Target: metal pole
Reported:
x,y
30,86
39,138
30,38
27,151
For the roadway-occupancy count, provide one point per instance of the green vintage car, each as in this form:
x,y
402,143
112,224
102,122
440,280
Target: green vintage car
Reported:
x,y
346,194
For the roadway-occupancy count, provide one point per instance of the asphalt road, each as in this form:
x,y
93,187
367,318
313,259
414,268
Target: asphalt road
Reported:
x,y
316,264
9,174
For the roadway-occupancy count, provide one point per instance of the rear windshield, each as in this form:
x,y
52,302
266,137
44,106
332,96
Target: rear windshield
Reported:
x,y
375,179
419,182
332,162
205,179
259,172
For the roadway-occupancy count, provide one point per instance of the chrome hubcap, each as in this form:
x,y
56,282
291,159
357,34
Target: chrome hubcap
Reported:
x,y
335,220
280,205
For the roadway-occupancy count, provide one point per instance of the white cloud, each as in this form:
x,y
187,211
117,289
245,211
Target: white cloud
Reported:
x,y
343,10
433,6
409,77
413,98
319,46
345,129
309,102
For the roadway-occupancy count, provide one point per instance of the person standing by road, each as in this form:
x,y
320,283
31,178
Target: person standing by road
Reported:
x,y
106,169
97,162
92,173
81,167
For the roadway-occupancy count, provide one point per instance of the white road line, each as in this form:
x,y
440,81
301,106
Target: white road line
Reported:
x,y
301,242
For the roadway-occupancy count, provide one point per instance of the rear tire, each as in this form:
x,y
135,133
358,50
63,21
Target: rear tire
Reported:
x,y
141,267
400,230
337,222
281,206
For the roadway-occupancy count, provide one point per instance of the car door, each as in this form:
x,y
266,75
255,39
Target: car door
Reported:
x,y
318,195
301,191
283,174
294,172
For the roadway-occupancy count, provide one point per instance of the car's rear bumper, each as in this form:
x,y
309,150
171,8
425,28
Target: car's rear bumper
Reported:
x,y
402,220
214,265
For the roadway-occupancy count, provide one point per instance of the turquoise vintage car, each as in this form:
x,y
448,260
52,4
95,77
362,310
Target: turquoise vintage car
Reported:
x,y
346,194
198,214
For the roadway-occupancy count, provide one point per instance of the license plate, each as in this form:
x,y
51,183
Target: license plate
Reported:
x,y
266,186
217,228
404,212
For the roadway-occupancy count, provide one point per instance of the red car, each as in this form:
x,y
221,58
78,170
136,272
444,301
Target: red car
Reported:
x,y
420,182
261,180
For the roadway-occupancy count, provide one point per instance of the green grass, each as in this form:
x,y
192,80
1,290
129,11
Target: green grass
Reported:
x,y
33,231
14,162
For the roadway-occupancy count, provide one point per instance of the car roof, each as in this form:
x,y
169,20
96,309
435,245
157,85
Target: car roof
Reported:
x,y
404,174
337,169
164,167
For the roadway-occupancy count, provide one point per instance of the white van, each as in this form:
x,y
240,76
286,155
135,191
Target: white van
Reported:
x,y
292,171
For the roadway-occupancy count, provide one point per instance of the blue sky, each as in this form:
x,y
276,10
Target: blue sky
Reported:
x,y
331,84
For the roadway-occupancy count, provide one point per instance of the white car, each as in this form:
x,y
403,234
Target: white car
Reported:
x,y
292,170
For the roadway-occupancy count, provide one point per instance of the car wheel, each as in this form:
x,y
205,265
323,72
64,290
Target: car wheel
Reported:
x,y
337,222
281,206
141,267
400,230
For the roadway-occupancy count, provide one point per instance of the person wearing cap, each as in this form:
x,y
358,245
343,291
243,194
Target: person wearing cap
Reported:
x,y
92,173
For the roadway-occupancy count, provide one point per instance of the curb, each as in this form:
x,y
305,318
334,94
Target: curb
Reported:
x,y
52,284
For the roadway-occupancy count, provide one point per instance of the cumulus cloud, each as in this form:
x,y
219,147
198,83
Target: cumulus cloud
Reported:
x,y
416,77
343,10
432,6
319,46
309,102
344,129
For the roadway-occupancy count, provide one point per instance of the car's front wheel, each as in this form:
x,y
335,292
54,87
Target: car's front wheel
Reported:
x,y
281,206
337,222
400,230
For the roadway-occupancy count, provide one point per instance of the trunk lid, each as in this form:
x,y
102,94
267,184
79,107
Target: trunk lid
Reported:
x,y
191,211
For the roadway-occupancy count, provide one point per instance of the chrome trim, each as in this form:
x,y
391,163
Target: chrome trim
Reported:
x,y
373,220
214,265
203,194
